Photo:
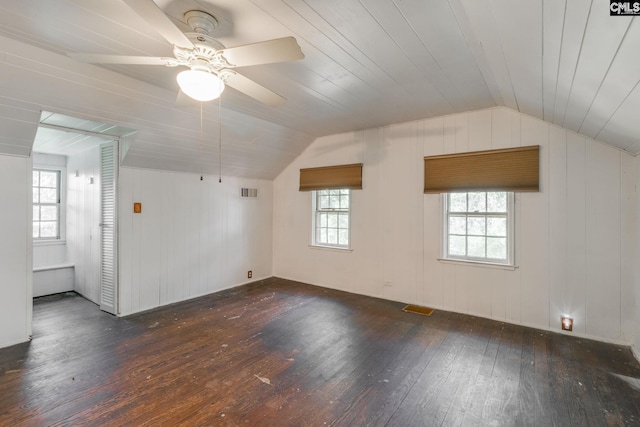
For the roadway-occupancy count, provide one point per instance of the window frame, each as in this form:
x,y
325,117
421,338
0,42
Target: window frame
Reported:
x,y
510,220
61,205
314,217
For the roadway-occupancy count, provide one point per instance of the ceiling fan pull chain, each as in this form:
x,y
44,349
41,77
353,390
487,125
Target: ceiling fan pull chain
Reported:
x,y
201,144
220,139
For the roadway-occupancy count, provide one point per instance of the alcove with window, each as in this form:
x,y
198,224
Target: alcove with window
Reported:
x,y
68,198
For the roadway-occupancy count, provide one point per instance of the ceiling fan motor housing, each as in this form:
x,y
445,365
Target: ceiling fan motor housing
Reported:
x,y
201,22
205,53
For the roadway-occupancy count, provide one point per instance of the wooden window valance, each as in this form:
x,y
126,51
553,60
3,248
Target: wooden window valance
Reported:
x,y
510,169
331,177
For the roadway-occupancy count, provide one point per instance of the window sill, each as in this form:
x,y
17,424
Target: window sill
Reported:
x,y
49,242
53,267
478,264
330,248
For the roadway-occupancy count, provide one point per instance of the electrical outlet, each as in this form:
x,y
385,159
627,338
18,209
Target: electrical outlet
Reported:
x,y
249,274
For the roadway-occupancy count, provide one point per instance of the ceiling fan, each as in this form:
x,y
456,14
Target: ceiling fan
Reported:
x,y
210,65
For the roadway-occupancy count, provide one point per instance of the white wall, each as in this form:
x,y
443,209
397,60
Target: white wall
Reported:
x,y
52,280
574,248
15,250
192,238
83,219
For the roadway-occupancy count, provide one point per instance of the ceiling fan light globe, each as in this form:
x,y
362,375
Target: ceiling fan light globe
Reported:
x,y
200,85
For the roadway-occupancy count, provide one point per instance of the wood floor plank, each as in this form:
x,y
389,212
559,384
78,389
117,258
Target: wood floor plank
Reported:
x,y
283,353
501,405
464,399
422,400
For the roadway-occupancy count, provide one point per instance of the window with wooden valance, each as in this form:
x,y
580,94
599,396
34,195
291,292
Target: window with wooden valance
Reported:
x,y
511,169
331,177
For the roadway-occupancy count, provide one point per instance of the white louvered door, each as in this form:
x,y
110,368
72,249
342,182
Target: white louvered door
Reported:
x,y
108,227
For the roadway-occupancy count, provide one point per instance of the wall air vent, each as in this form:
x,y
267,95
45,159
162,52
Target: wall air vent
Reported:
x,y
248,192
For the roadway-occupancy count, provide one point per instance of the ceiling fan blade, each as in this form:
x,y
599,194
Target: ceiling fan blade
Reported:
x,y
252,89
266,52
92,58
150,12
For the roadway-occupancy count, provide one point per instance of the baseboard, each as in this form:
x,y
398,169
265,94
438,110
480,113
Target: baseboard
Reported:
x,y
636,352
634,349
306,282
190,297
511,322
12,343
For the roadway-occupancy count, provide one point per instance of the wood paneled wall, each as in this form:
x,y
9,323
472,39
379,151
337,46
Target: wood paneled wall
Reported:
x,y
192,238
16,251
83,219
575,239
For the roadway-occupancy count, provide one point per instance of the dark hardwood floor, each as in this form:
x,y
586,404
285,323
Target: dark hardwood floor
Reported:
x,y
281,353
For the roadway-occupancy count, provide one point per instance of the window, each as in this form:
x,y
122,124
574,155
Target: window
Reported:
x,y
331,218
479,227
46,204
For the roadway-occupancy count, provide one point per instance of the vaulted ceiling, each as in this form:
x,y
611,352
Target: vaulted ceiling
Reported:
x,y
368,63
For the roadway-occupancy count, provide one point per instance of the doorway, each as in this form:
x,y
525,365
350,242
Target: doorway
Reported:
x,y
75,244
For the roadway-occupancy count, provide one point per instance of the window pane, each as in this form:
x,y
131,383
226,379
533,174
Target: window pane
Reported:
x,y
48,213
334,202
457,202
343,220
36,230
343,237
36,193
332,220
497,248
457,224
496,226
334,192
457,245
344,201
36,213
321,235
36,178
476,225
477,202
332,236
323,202
48,195
496,202
476,247
48,229
321,220
48,179
322,192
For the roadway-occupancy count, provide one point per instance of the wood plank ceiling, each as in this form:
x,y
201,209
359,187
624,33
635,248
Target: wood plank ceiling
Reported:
x,y
368,63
